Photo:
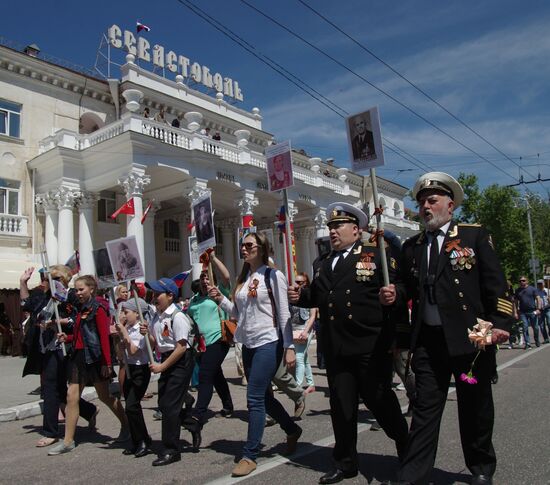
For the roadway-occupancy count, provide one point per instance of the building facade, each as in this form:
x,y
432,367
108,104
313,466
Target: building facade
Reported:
x,y
75,147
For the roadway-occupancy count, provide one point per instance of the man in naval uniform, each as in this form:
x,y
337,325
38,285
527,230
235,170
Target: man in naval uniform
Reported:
x,y
453,276
357,335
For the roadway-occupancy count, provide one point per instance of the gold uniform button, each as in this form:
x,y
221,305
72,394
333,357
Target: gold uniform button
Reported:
x,y
461,294
332,317
348,292
330,305
464,307
457,281
330,292
350,316
348,303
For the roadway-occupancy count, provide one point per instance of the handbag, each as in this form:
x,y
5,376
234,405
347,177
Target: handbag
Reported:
x,y
228,328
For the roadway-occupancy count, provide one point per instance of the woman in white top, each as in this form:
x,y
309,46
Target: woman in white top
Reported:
x,y
264,331
137,381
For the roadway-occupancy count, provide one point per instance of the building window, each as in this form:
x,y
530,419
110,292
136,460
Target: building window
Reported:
x,y
10,119
171,236
9,197
106,206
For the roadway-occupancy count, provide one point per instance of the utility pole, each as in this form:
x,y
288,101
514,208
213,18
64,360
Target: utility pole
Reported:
x,y
530,227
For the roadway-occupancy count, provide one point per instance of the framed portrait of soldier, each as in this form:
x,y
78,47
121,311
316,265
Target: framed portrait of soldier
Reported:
x,y
103,269
194,254
279,166
204,223
365,139
125,259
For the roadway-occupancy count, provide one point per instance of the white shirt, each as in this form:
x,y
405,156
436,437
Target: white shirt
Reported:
x,y
431,312
343,255
254,314
178,331
140,357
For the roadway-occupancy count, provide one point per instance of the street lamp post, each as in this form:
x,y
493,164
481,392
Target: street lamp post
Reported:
x,y
530,227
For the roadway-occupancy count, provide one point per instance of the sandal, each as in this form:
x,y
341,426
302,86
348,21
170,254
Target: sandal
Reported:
x,y
45,441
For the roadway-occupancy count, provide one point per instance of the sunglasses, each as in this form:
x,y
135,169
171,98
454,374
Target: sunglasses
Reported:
x,y
300,282
249,245
522,281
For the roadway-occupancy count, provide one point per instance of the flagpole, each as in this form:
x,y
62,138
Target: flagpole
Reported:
x,y
379,229
45,263
288,238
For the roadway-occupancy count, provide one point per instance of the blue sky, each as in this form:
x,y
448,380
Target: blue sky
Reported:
x,y
487,62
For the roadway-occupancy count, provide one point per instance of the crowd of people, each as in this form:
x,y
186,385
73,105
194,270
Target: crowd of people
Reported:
x,y
441,283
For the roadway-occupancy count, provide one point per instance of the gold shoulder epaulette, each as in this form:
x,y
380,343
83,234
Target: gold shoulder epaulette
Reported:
x,y
463,224
368,244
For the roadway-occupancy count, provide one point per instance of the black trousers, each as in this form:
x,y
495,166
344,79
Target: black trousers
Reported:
x,y
368,376
172,387
134,389
211,377
433,368
54,392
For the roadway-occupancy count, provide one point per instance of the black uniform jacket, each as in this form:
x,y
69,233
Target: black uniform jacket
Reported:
x,y
463,291
353,321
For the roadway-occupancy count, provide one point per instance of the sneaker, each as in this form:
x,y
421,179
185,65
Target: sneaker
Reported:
x,y
61,448
375,426
157,415
309,389
269,421
400,387
300,407
92,422
527,347
243,468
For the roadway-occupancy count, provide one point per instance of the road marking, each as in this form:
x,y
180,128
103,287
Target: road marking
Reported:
x,y
309,448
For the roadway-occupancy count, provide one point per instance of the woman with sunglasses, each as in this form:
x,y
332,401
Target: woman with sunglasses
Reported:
x,y
90,362
45,356
265,333
302,320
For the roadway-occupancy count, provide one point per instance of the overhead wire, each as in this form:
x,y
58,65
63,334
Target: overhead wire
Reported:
x,y
408,81
370,83
302,85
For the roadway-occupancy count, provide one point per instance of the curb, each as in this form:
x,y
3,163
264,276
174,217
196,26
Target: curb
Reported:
x,y
28,410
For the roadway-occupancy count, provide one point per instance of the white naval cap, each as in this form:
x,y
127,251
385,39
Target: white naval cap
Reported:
x,y
442,182
344,212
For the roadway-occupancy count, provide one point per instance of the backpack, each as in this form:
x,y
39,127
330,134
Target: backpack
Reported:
x,y
196,338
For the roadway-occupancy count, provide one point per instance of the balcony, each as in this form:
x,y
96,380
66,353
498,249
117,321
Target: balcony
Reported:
x,y
192,140
11,225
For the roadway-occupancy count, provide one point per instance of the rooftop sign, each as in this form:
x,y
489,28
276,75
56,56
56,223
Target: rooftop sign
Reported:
x,y
175,63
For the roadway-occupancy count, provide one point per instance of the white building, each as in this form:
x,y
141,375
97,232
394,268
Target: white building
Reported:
x,y
79,147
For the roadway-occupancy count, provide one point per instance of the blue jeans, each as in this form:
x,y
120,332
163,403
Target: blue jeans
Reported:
x,y
544,321
530,320
260,365
303,368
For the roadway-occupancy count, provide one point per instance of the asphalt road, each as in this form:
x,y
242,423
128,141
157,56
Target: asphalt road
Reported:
x,y
521,440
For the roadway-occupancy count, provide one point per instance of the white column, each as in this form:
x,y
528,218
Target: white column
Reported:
x,y
149,241
199,190
133,185
49,205
184,220
65,197
86,202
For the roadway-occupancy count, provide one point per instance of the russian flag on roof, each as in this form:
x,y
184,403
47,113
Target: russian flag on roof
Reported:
x,y
140,27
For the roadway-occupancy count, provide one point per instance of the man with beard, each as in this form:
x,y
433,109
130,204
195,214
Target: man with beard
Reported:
x,y
453,276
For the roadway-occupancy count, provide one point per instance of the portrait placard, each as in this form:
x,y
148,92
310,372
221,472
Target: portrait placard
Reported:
x,y
279,166
203,219
103,270
365,140
125,259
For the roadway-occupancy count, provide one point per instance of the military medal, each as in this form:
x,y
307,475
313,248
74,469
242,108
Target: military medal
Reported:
x,y
365,267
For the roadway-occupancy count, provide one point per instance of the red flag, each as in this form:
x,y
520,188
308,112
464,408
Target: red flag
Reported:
x,y
140,27
127,208
146,211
